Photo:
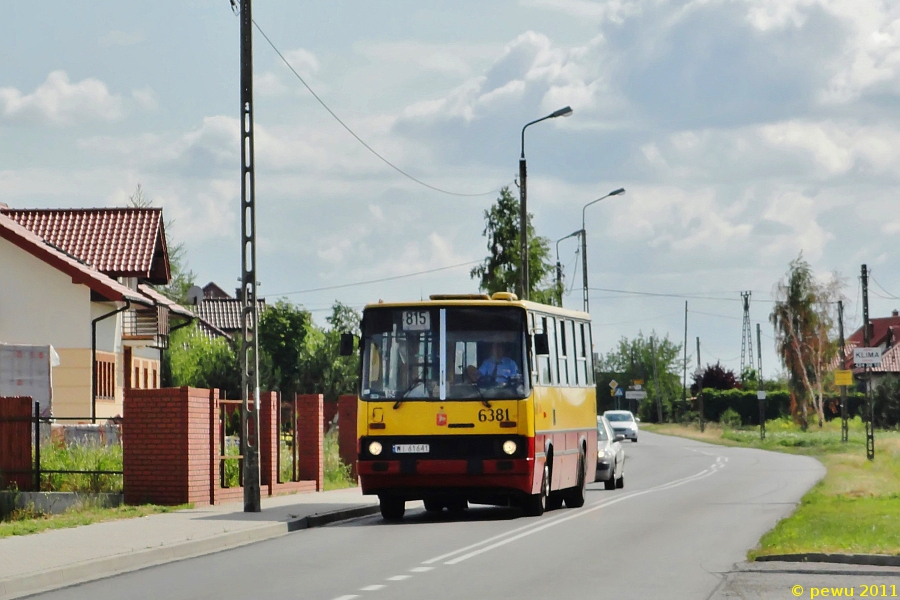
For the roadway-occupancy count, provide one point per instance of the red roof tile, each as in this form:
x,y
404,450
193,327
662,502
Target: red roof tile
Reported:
x,y
80,273
119,242
223,313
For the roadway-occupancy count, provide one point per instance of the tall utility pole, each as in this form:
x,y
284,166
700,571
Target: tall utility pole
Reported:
x,y
684,380
659,411
700,388
523,203
249,307
870,409
585,294
746,335
760,392
845,429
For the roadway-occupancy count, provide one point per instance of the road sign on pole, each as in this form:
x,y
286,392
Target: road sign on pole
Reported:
x,y
843,377
635,395
613,383
867,357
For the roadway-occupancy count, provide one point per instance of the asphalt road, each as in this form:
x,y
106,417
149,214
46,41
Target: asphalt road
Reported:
x,y
688,513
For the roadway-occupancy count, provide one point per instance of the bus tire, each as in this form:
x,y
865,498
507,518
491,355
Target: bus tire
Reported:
x,y
536,504
575,496
457,505
432,505
392,509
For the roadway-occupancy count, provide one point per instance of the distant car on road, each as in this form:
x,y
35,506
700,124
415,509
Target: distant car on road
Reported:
x,y
623,422
610,456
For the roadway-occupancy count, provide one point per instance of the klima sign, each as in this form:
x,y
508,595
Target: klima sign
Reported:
x,y
867,357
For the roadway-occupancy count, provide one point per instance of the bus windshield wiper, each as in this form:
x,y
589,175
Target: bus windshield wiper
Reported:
x,y
478,390
411,387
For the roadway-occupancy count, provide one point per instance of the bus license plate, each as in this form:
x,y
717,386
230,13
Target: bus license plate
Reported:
x,y
411,448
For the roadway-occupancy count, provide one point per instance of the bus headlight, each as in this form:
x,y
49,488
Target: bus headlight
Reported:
x,y
509,447
375,448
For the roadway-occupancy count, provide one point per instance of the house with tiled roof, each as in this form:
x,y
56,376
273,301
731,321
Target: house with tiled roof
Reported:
x,y
884,333
218,313
81,280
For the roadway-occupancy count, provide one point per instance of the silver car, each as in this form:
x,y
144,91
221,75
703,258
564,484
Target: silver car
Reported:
x,y
623,422
610,456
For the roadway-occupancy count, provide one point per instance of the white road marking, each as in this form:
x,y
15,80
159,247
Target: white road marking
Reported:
x,y
421,569
482,542
372,588
702,474
351,597
399,577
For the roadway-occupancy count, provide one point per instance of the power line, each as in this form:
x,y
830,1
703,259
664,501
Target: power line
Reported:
x,y
393,278
353,133
670,295
890,296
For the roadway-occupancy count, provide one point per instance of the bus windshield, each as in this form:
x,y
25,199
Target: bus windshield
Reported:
x,y
454,353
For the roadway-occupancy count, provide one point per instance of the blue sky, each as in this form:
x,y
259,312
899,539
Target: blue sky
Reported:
x,y
744,131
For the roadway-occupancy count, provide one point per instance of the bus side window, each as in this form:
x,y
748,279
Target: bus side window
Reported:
x,y
554,364
571,353
563,354
543,360
581,359
589,351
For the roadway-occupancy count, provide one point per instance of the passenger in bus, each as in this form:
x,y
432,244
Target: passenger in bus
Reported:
x,y
497,369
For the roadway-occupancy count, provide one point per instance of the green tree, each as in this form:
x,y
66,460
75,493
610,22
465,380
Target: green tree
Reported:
x,y
182,278
804,317
500,270
324,370
194,360
633,360
283,332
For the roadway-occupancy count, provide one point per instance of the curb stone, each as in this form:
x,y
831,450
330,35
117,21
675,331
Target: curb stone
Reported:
x,y
152,557
877,560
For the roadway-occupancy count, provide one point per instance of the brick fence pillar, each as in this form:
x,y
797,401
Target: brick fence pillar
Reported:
x,y
268,439
347,440
166,446
311,438
16,428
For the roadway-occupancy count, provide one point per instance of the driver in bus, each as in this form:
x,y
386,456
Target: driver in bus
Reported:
x,y
496,369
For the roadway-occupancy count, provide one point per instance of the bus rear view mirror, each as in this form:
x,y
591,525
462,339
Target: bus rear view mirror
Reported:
x,y
346,344
541,344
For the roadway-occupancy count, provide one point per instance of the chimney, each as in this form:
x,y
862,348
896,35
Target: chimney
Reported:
x,y
895,313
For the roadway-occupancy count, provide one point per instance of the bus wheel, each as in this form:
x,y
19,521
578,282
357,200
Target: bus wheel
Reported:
x,y
433,506
575,496
392,509
536,504
457,506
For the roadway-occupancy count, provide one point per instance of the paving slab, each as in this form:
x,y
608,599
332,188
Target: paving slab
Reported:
x,y
62,557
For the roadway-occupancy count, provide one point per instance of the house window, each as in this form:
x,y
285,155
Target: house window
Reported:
x,y
105,371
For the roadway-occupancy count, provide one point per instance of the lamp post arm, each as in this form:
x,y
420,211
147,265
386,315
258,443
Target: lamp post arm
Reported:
x,y
588,204
522,155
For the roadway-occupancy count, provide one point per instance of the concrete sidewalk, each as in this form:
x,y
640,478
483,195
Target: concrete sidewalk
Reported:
x,y
62,557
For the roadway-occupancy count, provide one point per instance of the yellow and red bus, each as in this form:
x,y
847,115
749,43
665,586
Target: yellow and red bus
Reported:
x,y
476,399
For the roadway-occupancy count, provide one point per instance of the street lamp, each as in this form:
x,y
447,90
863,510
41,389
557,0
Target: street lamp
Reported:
x,y
523,208
559,266
584,267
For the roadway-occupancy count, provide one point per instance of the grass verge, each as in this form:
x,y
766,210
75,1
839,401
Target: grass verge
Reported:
x,y
852,510
24,522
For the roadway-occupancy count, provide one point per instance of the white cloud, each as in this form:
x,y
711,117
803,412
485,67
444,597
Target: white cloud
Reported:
x,y
57,101
146,98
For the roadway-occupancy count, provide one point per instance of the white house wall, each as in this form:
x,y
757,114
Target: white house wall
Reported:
x,y
41,305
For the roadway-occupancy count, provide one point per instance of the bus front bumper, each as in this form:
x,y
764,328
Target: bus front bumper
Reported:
x,y
415,478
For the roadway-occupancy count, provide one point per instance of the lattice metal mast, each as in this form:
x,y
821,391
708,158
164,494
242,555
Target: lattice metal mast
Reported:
x,y
249,310
746,335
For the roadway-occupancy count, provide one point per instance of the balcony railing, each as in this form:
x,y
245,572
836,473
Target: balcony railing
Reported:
x,y
147,324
